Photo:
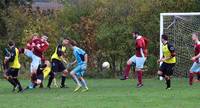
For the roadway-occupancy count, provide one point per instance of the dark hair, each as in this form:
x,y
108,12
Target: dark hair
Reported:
x,y
11,43
165,37
71,41
136,33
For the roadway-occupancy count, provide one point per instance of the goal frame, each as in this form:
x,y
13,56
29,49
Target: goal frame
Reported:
x,y
162,15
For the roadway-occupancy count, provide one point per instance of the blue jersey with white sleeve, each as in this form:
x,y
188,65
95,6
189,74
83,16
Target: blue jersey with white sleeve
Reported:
x,y
79,55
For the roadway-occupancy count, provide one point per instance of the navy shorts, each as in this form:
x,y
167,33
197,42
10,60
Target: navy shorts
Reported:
x,y
167,68
57,66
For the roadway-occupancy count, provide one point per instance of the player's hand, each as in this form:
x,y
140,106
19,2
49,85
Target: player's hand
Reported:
x,y
161,60
28,44
32,44
193,59
38,45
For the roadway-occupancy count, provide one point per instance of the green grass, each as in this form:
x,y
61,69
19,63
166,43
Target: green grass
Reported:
x,y
105,93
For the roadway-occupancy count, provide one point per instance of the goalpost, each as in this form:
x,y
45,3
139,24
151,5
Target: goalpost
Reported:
x,y
179,27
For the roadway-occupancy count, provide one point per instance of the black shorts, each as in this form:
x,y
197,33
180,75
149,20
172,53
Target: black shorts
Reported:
x,y
40,76
167,68
12,72
57,66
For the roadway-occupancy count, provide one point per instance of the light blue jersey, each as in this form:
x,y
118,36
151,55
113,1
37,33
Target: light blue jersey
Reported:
x,y
79,55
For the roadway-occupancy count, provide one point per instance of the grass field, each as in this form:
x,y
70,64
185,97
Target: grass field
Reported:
x,y
105,93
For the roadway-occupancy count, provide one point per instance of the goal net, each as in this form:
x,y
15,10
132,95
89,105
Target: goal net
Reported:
x,y
179,27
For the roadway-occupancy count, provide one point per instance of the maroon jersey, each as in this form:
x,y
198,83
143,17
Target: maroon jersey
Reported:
x,y
141,42
196,49
38,46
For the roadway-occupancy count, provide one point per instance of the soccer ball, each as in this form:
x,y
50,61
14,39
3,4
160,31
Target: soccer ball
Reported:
x,y
106,65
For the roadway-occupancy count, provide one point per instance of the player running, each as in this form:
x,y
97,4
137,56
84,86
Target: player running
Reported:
x,y
57,60
12,59
138,59
168,61
35,49
81,61
195,69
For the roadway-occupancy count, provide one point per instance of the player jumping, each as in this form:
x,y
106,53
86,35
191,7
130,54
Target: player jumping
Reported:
x,y
195,69
138,59
35,49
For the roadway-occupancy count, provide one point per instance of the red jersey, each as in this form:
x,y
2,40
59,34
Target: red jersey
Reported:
x,y
38,46
140,43
196,49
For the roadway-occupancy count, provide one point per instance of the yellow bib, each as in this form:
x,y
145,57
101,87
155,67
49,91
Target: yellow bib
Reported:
x,y
167,53
55,55
15,64
46,71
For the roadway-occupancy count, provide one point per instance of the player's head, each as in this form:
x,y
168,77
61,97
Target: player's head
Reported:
x,y
69,42
11,44
47,63
135,34
195,36
44,38
164,38
35,35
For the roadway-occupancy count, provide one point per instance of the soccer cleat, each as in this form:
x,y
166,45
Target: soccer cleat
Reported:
x,y
139,85
14,88
64,86
49,87
124,78
25,89
168,88
85,90
77,88
20,90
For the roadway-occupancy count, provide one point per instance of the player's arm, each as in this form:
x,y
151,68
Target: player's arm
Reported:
x,y
12,55
142,52
86,58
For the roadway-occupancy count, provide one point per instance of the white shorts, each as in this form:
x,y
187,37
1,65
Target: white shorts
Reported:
x,y
35,60
195,67
139,61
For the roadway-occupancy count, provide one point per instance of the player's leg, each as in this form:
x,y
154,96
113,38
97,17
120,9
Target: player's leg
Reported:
x,y
15,75
168,74
51,77
161,70
168,81
128,67
193,69
8,77
64,75
80,75
54,68
77,69
139,69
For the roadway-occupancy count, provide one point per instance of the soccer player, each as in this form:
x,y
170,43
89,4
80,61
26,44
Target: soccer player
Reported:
x,y
168,61
35,49
42,70
81,61
14,66
138,59
195,69
57,65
